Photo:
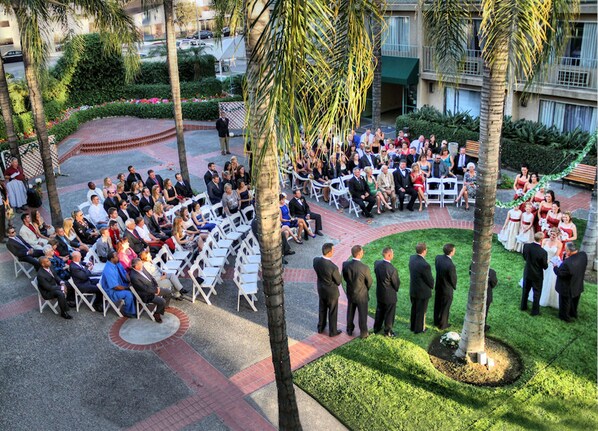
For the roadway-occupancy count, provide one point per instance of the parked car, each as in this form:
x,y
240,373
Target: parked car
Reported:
x,y
12,57
205,34
225,31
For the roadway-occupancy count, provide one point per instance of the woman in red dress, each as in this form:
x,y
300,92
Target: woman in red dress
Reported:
x,y
15,186
553,217
418,180
545,206
521,180
568,230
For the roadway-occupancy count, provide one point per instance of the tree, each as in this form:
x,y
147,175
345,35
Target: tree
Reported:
x,y
197,55
185,14
7,113
377,84
517,38
589,238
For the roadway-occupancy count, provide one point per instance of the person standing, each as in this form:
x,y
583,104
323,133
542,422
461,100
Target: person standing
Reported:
x,y
421,284
569,281
223,133
358,278
387,286
329,278
446,283
536,261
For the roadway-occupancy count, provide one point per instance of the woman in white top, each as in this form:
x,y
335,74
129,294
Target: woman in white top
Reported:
x,y
526,230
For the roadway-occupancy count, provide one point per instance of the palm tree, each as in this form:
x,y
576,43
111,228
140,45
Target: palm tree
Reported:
x,y
377,84
6,107
590,238
34,19
517,37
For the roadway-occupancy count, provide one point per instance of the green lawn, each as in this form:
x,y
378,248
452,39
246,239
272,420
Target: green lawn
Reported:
x,y
390,384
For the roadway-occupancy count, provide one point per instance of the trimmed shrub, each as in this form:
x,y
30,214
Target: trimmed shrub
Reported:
x,y
156,72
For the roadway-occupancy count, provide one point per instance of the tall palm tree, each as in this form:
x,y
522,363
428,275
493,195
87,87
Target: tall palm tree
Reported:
x,y
517,37
310,65
34,19
6,107
377,54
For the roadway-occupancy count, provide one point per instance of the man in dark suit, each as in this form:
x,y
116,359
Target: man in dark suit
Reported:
x,y
133,177
182,187
420,287
207,177
368,159
329,278
536,261
122,210
84,281
153,226
133,208
411,157
460,162
110,201
299,208
215,192
223,133
146,199
154,179
358,279
360,193
51,286
135,241
148,290
569,281
404,186
446,282
387,286
23,251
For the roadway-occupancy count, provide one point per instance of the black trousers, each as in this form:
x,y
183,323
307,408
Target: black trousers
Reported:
x,y
318,220
385,314
568,306
33,259
97,302
2,220
362,311
328,310
442,306
366,204
58,295
162,301
408,192
528,285
418,314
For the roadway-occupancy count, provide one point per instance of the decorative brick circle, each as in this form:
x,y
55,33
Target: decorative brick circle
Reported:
x,y
123,344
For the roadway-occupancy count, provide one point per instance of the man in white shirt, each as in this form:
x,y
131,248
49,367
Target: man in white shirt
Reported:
x,y
386,184
93,191
97,214
418,145
144,232
367,138
164,280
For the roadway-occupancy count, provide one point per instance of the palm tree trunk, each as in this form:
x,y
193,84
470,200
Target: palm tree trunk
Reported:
x,y
377,83
268,218
175,85
589,241
491,118
39,120
6,107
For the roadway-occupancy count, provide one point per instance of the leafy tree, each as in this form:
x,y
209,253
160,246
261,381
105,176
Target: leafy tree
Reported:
x,y
5,105
185,15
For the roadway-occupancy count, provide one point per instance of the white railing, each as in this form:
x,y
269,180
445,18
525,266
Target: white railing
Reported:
x,y
399,50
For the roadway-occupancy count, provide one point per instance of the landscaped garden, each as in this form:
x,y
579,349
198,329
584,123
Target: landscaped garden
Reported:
x,y
390,383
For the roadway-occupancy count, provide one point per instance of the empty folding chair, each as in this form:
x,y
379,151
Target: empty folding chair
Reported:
x,y
337,191
224,244
81,297
239,224
20,267
248,213
167,264
433,191
199,288
43,303
247,290
248,256
450,190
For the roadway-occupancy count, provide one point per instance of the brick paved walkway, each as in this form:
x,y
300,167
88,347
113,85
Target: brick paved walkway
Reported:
x,y
212,390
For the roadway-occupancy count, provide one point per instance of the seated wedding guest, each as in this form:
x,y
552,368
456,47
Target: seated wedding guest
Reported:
x,y
51,286
159,198
373,190
143,231
404,151
321,177
287,220
115,282
84,280
424,165
438,169
411,157
15,185
433,144
148,290
154,227
360,193
170,196
66,247
93,191
22,250
112,201
121,193
45,230
404,185
30,233
133,209
121,181
97,214
153,179
230,200
165,225
169,281
104,244
231,166
200,222
114,231
386,186
146,198
419,183
353,162
368,159
210,172
445,156
109,186
299,207
59,267
135,241
214,190
227,179
125,253
133,177
135,190
59,249
68,225
113,215
460,162
244,196
470,185
242,175
189,240
182,188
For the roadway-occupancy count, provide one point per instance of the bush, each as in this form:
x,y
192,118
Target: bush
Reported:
x,y
234,84
422,127
156,72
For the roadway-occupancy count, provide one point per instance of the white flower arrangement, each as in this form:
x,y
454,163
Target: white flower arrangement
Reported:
x,y
38,181
450,340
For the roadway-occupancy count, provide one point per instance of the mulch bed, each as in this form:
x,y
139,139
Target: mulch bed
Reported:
x,y
507,364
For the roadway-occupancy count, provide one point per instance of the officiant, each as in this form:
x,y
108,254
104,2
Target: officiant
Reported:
x,y
15,185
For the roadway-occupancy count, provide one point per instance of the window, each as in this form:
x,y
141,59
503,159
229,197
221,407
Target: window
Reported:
x,y
4,24
473,38
566,117
464,101
396,37
581,47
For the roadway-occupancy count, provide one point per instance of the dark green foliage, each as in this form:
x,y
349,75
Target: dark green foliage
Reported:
x,y
234,84
156,72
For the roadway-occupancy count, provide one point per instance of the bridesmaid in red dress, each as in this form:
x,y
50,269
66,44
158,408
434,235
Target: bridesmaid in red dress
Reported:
x,y
568,230
418,180
521,180
553,217
533,182
545,206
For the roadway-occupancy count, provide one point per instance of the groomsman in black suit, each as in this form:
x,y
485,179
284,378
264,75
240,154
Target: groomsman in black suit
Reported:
x,y
299,207
569,281
329,278
420,287
360,193
358,278
387,286
536,261
446,282
404,186
148,290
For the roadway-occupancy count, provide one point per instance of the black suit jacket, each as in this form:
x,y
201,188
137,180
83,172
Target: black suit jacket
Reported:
x,y
133,212
358,187
132,178
63,247
47,283
446,275
329,277
358,279
569,276
146,288
17,249
110,203
82,231
536,261
387,282
149,183
222,127
215,192
492,282
207,177
82,276
364,162
124,215
153,226
136,243
456,163
402,181
411,159
183,190
298,210
146,201
421,280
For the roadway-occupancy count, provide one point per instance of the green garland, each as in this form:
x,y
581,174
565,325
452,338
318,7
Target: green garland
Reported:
x,y
548,178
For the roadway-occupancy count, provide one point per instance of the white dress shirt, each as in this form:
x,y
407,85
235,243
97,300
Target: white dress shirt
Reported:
x,y
97,214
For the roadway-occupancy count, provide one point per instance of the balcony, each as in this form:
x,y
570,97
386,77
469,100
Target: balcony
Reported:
x,y
472,65
408,51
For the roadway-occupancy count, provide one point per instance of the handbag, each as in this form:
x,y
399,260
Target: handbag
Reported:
x,y
343,202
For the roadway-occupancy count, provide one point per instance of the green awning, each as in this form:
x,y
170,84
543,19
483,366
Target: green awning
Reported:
x,y
400,70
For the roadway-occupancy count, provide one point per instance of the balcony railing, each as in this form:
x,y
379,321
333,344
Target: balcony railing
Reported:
x,y
399,50
472,65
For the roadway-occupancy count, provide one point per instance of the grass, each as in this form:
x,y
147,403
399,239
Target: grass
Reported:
x,y
390,384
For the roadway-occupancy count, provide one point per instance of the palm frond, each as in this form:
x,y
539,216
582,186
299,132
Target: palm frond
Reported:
x,y
228,13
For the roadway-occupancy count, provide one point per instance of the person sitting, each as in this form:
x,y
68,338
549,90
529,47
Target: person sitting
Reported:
x,y
122,210
51,286
114,231
373,190
21,249
94,191
133,209
165,225
65,247
460,162
125,253
242,175
230,200
147,199
45,230
404,186
30,233
227,179
290,222
320,175
133,177
115,283
113,216
215,192
169,281
153,226
189,240
145,234
210,173
299,208
134,239
244,195
182,187
97,214
104,244
135,189
386,186
154,179
121,194
438,169
359,191
411,157
170,195
368,159
85,230
469,185
111,201
84,280
148,290
71,235
109,186
200,222
15,185
59,266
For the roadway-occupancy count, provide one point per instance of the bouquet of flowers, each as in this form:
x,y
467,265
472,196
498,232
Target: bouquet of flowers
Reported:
x,y
450,340
564,236
519,192
535,205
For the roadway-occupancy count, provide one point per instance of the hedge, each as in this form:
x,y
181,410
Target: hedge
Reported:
x,y
156,72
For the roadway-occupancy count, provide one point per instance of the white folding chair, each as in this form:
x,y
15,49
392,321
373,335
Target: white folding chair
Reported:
x,y
215,252
433,191
81,297
353,207
223,244
216,211
247,212
252,243
43,303
168,265
93,258
450,190
202,196
142,307
337,191
208,283
247,290
84,207
20,267
248,271
317,190
248,256
227,228
239,223
107,303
